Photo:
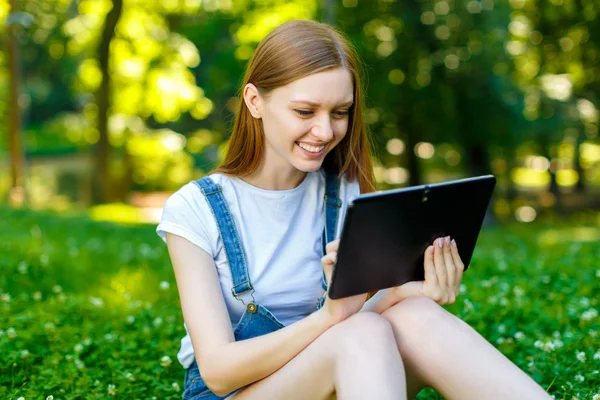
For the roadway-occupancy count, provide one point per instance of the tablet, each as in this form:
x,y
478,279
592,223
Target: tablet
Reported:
x,y
385,234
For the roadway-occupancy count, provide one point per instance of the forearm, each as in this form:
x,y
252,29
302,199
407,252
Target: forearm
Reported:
x,y
374,304
386,298
240,363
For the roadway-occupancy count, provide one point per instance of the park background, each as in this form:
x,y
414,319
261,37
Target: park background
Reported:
x,y
107,107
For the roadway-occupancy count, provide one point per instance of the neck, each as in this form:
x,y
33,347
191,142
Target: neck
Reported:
x,y
272,179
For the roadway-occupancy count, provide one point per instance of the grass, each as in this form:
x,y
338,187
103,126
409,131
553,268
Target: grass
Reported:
x,y
89,310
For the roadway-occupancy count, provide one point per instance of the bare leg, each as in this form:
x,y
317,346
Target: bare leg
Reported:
x,y
356,359
447,354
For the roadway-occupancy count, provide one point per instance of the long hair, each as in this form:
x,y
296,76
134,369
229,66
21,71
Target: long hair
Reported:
x,y
292,51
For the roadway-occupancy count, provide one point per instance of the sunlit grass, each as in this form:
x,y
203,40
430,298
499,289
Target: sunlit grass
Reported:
x,y
89,309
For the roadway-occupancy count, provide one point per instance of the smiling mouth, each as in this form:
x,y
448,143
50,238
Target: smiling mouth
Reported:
x,y
312,149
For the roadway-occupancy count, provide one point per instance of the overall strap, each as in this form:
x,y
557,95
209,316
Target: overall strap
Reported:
x,y
229,235
332,205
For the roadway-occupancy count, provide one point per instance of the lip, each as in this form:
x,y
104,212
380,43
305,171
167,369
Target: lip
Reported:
x,y
309,154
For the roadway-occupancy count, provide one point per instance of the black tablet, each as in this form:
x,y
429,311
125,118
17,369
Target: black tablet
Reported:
x,y
385,234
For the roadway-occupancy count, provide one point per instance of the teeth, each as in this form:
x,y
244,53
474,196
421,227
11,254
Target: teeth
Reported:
x,y
312,149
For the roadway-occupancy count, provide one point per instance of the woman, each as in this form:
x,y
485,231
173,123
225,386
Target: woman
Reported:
x,y
247,244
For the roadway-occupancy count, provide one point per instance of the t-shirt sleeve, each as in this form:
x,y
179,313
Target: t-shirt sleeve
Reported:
x,y
187,214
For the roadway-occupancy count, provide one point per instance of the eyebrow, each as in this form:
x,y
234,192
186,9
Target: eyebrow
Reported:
x,y
348,103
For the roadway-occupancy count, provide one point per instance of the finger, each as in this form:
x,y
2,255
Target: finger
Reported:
x,y
440,266
332,246
450,268
328,262
430,275
460,267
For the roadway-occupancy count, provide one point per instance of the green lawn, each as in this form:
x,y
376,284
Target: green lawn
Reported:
x,y
90,309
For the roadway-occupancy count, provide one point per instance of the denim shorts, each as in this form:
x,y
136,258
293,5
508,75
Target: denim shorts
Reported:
x,y
194,386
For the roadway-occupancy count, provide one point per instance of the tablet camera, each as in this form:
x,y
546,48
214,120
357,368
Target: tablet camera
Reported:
x,y
425,195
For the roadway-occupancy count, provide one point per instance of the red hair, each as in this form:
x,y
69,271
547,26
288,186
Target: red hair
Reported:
x,y
292,51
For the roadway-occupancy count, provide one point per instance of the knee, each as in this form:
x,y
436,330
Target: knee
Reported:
x,y
417,315
364,331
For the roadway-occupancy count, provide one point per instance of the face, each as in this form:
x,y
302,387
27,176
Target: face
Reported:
x,y
304,120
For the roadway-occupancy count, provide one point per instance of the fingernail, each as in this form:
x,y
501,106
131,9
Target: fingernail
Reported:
x,y
447,241
440,243
453,243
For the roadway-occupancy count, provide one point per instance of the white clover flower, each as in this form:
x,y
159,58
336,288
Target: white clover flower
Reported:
x,y
79,364
504,301
87,341
96,382
49,326
37,296
589,314
580,355
598,273
25,353
500,340
164,285
538,344
463,288
596,355
157,322
130,319
109,336
11,333
558,343
518,291
593,333
519,336
556,334
111,389
56,288
549,346
44,259
129,376
501,328
175,386
468,305
50,397
579,378
96,301
596,397
5,297
21,398
22,268
62,297
165,361
78,348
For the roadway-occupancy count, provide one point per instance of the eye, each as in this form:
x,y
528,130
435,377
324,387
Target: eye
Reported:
x,y
342,114
304,113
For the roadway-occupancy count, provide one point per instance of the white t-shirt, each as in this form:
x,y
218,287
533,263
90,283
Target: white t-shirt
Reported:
x,y
280,231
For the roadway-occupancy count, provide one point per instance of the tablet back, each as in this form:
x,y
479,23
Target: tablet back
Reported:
x,y
385,234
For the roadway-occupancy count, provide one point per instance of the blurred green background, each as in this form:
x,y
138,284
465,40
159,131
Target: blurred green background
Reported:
x,y
107,107
455,89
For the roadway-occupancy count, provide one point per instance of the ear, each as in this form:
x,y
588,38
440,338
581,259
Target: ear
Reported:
x,y
252,100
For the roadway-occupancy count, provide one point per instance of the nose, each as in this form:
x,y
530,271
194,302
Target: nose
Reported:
x,y
323,129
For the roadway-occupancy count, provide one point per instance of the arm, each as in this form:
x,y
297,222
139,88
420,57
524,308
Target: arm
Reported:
x,y
227,365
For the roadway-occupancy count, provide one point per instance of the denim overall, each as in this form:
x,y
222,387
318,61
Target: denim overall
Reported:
x,y
256,320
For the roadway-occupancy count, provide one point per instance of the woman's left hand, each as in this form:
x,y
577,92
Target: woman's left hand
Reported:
x,y
443,271
443,275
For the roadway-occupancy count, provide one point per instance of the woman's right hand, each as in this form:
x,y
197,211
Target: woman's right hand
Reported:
x,y
340,309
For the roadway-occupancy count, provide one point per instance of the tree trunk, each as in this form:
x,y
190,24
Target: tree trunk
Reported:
x,y
16,194
102,179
